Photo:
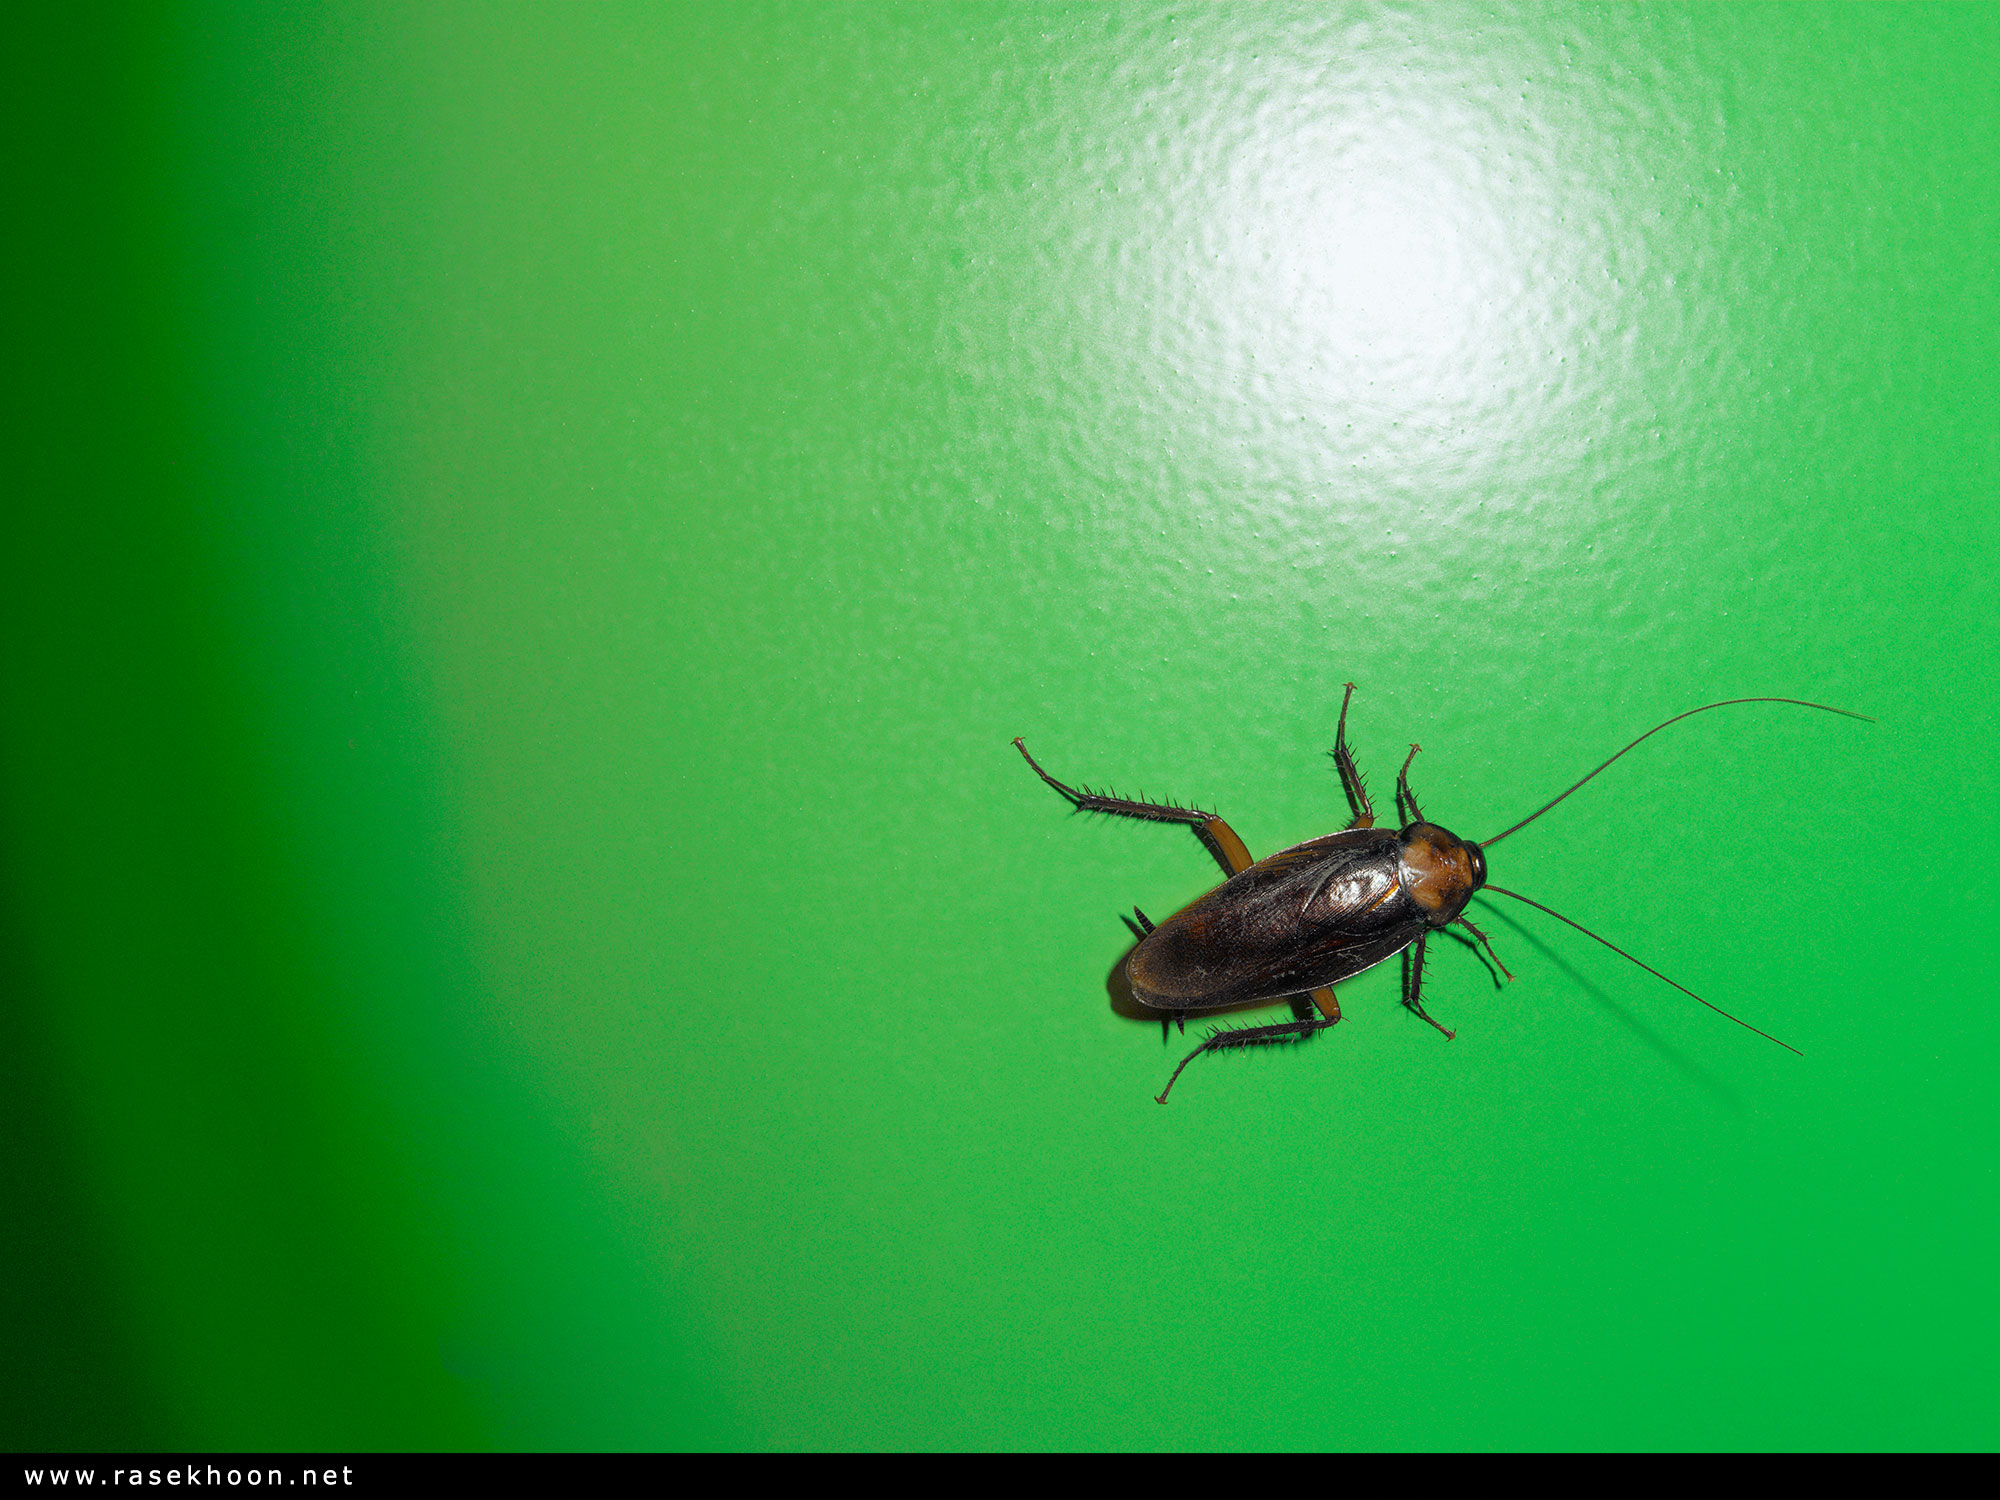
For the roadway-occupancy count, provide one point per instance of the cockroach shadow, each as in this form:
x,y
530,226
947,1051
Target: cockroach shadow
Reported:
x,y
1686,1066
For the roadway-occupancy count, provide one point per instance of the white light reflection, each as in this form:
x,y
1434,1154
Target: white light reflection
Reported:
x,y
1382,270
1390,292
1362,268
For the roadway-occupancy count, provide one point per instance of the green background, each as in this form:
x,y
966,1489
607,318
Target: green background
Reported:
x,y
531,532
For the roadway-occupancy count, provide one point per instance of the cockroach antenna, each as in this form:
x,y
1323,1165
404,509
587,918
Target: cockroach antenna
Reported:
x,y
1502,891
1725,703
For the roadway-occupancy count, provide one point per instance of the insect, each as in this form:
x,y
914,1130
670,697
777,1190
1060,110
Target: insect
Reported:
x,y
1292,926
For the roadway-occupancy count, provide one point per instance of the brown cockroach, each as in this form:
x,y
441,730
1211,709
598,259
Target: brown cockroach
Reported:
x,y
1293,925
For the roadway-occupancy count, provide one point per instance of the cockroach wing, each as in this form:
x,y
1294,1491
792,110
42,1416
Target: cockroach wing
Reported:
x,y
1311,915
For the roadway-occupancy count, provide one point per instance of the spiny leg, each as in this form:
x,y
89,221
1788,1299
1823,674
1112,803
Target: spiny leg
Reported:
x,y
1217,836
1413,982
1323,998
1302,1005
1404,796
1489,947
1085,800
1350,778
1221,840
1246,1036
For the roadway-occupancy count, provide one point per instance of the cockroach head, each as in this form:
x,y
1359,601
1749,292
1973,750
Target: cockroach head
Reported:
x,y
1440,870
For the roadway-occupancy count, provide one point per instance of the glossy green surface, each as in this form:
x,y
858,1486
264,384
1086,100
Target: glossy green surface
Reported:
x,y
534,528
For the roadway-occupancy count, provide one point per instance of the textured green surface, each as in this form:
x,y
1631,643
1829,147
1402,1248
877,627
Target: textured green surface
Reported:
x,y
533,529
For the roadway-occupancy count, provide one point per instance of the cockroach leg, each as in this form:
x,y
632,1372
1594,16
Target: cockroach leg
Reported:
x,y
1489,947
1085,800
1413,983
1246,1036
1404,796
1216,836
1350,777
1229,850
1303,1005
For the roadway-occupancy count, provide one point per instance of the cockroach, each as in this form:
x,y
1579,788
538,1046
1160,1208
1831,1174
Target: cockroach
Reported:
x,y
1292,926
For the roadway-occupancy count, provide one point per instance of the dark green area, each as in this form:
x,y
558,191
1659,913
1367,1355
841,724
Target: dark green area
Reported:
x,y
534,528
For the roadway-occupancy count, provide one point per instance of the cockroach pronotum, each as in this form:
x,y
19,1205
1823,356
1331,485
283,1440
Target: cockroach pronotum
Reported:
x,y
1292,926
